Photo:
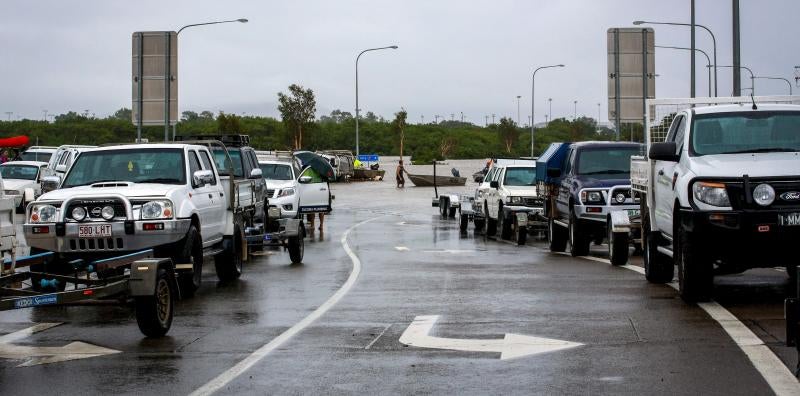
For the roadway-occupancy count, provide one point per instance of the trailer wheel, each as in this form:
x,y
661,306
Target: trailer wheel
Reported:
x,y
192,249
658,267
557,236
154,313
520,233
479,224
464,223
451,211
617,246
229,263
296,248
443,204
695,270
505,224
578,241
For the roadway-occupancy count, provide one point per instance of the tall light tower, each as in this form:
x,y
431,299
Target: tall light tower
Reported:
x,y
518,97
357,109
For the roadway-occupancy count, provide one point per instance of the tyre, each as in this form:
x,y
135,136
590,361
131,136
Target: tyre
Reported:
x,y
229,263
617,246
695,270
296,248
557,236
451,212
190,250
479,224
491,224
154,313
658,267
520,233
505,225
464,223
443,207
579,242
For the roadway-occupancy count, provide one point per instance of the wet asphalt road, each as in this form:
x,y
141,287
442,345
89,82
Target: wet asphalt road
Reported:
x,y
637,338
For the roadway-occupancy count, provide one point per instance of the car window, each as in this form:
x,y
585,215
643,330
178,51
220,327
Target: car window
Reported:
x,y
141,165
206,160
680,133
194,163
520,177
23,172
568,162
276,171
315,176
236,158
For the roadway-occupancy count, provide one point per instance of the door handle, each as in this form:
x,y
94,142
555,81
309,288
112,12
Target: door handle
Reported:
x,y
211,196
221,194
661,172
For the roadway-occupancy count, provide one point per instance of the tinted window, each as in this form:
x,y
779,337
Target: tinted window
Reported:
x,y
25,172
745,132
276,171
194,163
139,165
315,176
606,163
236,157
35,156
520,177
207,165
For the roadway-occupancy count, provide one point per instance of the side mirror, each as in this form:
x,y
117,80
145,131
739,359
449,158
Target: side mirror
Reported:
x,y
50,183
61,168
202,177
553,172
256,174
494,184
304,179
664,151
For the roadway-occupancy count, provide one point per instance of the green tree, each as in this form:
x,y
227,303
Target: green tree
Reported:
x,y
509,133
228,123
297,111
207,115
189,116
399,126
124,114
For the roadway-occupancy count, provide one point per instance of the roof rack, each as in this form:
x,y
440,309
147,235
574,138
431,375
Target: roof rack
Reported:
x,y
228,140
42,148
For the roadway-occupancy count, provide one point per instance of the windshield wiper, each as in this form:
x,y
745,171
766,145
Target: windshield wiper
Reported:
x,y
606,172
163,180
763,150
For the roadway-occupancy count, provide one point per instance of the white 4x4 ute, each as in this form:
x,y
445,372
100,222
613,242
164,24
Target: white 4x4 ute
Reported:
x,y
128,198
722,192
511,199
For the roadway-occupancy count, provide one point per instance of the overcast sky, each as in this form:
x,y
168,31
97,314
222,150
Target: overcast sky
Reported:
x,y
455,56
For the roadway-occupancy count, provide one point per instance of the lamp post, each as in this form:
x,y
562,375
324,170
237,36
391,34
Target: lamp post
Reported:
x,y
550,111
777,78
357,109
575,114
708,61
598,114
518,97
240,20
752,77
713,40
533,99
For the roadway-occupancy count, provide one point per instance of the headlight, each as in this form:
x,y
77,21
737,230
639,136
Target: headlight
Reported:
x,y
78,213
107,212
591,197
286,192
764,194
156,210
515,200
713,194
43,214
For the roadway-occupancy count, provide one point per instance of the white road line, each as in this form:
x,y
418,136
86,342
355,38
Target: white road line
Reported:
x,y
779,378
223,379
379,336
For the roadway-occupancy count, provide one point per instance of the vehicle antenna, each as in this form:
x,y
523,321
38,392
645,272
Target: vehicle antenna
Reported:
x,y
753,99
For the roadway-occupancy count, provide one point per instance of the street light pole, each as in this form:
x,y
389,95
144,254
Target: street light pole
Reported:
x,y
518,96
777,78
533,101
357,109
240,20
708,61
713,40
752,77
550,112
575,114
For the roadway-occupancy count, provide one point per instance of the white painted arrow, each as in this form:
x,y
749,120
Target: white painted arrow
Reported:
x,y
35,355
510,347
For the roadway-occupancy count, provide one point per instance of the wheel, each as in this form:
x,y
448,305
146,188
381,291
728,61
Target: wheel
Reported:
x,y
617,246
505,225
491,224
520,233
229,263
695,270
443,207
479,224
452,212
464,223
579,243
296,248
191,250
154,313
557,236
658,267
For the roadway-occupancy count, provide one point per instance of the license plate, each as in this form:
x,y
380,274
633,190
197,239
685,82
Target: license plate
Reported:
x,y
633,213
267,237
94,231
789,219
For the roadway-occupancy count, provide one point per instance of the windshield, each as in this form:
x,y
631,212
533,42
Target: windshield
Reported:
x,y
276,171
25,172
607,163
520,177
139,165
236,157
746,132
35,156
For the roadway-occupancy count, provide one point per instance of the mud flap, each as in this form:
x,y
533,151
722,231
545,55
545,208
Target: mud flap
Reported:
x,y
620,222
144,273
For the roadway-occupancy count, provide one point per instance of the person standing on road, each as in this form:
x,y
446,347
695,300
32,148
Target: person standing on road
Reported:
x,y
401,180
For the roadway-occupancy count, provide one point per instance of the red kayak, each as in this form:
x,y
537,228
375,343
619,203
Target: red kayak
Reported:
x,y
14,142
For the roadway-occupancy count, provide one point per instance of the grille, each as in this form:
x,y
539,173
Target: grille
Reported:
x,y
90,205
736,193
270,193
534,202
95,244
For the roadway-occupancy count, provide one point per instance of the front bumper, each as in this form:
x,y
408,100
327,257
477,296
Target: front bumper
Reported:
x,y
744,239
287,205
279,231
599,213
63,237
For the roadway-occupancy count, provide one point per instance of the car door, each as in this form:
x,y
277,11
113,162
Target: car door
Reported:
x,y
565,188
203,199
665,175
483,188
218,205
494,193
313,191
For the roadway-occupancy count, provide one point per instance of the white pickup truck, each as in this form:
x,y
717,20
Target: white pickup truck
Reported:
x,y
511,199
720,188
169,197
